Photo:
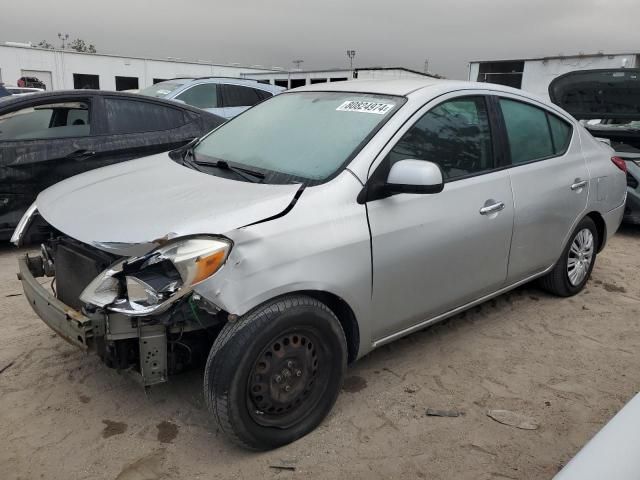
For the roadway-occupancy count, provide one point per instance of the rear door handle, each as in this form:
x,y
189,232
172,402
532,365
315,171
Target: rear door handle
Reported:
x,y
578,184
493,208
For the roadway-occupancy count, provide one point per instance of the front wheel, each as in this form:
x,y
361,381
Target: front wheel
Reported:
x,y
574,267
272,376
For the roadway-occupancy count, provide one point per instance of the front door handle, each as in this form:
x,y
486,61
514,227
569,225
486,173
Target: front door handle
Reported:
x,y
493,208
578,184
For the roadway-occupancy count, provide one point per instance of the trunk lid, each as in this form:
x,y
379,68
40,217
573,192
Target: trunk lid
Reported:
x,y
599,94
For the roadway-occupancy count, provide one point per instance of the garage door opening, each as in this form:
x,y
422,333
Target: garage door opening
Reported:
x,y
502,73
83,81
158,80
126,83
298,82
43,76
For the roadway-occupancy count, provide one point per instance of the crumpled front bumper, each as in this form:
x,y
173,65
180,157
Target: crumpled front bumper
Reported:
x,y
71,325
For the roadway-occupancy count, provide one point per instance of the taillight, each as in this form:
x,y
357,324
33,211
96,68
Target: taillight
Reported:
x,y
620,163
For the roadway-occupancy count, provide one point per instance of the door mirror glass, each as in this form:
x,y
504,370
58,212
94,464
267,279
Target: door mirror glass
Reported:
x,y
414,176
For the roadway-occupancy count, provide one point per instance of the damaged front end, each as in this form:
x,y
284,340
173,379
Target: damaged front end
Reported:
x,y
137,313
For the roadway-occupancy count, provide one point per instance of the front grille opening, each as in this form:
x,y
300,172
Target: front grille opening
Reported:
x,y
76,265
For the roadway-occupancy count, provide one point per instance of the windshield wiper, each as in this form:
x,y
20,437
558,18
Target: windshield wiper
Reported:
x,y
189,158
246,173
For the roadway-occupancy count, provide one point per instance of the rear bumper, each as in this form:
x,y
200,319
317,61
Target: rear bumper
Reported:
x,y
612,220
71,325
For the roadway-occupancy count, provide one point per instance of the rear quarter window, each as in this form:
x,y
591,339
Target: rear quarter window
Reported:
x,y
561,132
134,116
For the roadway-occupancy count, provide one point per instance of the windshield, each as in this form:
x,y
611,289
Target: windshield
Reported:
x,y
162,89
304,136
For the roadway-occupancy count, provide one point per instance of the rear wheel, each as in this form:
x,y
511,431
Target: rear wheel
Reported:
x,y
273,375
574,267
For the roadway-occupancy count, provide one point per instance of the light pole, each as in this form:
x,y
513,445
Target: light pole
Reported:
x,y
351,54
297,63
63,38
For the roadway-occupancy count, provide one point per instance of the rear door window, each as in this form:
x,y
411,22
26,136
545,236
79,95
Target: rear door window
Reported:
x,y
134,116
239,96
201,96
527,130
262,94
54,120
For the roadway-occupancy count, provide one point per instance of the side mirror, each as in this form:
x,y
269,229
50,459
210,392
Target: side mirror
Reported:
x,y
414,176
405,176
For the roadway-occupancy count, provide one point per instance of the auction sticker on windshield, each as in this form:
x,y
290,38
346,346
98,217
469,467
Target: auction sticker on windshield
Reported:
x,y
365,107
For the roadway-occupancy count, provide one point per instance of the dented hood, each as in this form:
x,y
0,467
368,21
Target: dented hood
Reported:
x,y
154,197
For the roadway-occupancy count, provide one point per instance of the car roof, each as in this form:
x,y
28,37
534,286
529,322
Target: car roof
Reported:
x,y
70,94
243,81
382,87
405,87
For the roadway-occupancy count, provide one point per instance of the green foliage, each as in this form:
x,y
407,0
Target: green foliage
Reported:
x,y
44,44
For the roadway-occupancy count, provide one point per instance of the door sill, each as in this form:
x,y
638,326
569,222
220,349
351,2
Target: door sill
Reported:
x,y
450,313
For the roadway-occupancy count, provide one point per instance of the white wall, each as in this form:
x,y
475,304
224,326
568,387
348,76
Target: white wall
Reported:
x,y
63,65
538,74
363,74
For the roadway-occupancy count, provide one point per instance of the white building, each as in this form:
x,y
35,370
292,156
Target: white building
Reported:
x,y
299,78
535,74
67,69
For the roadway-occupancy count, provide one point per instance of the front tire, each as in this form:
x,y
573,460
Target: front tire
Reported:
x,y
274,375
573,269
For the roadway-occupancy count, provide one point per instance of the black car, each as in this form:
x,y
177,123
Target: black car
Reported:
x,y
607,101
47,137
31,82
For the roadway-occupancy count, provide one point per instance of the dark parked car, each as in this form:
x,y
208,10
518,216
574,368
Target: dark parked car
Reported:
x,y
47,137
33,82
4,92
607,101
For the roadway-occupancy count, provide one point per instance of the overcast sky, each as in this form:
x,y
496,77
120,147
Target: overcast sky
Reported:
x,y
384,33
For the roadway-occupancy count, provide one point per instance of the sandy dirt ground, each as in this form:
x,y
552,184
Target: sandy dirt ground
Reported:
x,y
569,364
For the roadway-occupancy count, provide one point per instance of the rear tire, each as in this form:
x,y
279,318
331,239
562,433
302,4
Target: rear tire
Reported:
x,y
275,374
573,269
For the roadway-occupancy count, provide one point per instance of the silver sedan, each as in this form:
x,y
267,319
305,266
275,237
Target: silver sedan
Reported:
x,y
313,228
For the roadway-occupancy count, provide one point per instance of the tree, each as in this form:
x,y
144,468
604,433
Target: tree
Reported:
x,y
80,45
44,44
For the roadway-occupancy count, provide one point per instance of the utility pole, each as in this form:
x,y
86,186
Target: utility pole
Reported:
x,y
426,66
63,38
351,54
297,63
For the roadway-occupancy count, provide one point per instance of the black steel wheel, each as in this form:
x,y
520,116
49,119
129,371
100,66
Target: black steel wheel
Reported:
x,y
272,376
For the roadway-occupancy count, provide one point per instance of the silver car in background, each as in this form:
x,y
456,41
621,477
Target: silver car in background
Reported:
x,y
223,96
351,215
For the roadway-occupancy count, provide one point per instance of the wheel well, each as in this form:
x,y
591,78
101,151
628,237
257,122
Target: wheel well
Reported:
x,y
601,227
346,317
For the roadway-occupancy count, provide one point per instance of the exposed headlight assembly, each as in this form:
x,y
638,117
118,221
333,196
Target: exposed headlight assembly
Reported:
x,y
23,225
149,284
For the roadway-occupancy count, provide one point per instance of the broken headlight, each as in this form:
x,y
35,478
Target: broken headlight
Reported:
x,y
149,284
